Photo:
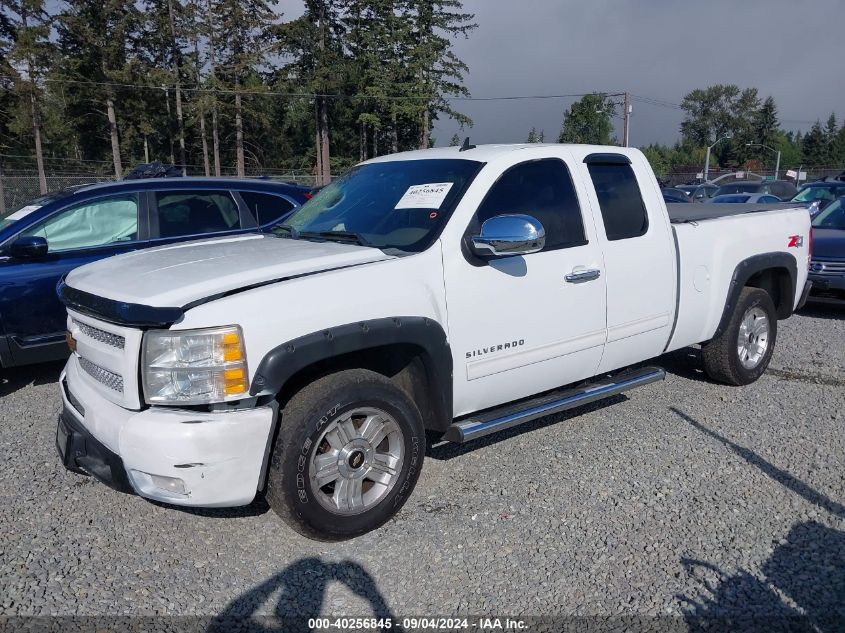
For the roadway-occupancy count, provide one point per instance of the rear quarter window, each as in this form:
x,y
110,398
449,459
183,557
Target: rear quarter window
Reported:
x,y
620,200
267,208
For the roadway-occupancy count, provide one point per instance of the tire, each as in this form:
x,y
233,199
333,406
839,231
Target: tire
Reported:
x,y
348,453
733,361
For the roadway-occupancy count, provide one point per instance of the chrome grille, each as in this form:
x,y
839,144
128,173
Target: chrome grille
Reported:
x,y
115,340
104,376
827,268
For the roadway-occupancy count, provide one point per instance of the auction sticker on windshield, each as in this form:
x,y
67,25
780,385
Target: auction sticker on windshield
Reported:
x,y
429,196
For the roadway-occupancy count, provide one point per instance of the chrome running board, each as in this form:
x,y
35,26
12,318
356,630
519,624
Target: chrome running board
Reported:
x,y
513,414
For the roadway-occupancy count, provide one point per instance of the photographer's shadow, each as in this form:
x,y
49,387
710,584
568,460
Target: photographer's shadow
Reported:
x,y
300,590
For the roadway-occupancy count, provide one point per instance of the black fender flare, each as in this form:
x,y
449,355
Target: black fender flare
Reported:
x,y
746,269
282,362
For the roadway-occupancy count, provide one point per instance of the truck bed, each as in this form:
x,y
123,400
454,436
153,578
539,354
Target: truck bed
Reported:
x,y
710,250
679,212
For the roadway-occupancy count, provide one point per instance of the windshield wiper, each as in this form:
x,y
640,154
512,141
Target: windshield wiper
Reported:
x,y
289,229
340,236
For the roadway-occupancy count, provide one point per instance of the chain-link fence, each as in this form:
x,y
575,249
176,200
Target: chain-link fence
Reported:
x,y
19,188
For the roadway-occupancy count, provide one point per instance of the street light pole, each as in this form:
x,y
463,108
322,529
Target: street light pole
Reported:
x,y
707,160
771,149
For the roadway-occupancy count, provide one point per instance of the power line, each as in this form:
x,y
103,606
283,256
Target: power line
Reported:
x,y
294,95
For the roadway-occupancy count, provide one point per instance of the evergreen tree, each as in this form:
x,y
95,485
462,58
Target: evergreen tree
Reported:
x,y
588,120
195,26
437,71
456,140
26,26
766,124
315,42
242,33
838,157
95,38
376,38
831,137
532,136
814,146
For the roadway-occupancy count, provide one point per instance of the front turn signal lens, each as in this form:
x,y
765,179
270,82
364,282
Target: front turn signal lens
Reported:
x,y
236,381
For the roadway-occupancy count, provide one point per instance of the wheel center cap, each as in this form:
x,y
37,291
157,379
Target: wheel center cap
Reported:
x,y
356,459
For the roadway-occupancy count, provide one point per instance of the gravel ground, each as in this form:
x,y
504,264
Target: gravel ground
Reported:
x,y
684,498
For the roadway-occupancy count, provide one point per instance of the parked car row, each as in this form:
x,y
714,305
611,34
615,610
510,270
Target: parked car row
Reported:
x,y
47,238
815,195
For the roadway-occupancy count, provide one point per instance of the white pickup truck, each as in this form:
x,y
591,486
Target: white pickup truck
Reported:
x,y
454,291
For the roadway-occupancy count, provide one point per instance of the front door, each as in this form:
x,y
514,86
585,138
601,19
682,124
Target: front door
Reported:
x,y
524,324
34,320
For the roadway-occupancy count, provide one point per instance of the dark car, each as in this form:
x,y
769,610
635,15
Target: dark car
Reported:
x,y
782,189
827,267
822,192
675,196
699,193
47,238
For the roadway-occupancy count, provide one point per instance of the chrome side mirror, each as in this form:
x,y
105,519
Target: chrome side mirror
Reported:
x,y
505,235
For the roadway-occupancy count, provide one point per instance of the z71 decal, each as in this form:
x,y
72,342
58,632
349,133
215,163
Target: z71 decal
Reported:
x,y
795,241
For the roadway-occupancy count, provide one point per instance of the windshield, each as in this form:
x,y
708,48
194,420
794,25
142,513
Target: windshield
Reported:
x,y
29,207
809,194
745,187
391,205
833,217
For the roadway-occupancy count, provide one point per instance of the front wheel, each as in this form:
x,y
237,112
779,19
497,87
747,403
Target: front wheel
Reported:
x,y
740,354
348,454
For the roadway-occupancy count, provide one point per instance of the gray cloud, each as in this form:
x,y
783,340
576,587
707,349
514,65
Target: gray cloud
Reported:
x,y
655,48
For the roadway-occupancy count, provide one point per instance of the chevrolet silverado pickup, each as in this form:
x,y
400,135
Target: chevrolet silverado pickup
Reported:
x,y
454,291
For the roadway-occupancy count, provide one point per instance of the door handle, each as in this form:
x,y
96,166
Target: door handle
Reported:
x,y
580,275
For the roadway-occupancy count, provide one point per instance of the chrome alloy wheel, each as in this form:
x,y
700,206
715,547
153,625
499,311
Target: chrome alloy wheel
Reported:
x,y
753,339
357,461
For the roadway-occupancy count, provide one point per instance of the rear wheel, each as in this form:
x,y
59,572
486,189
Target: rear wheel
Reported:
x,y
348,454
740,354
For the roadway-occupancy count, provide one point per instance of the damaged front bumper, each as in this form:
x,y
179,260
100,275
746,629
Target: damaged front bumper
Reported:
x,y
177,456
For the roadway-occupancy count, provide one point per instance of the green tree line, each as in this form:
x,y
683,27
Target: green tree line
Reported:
x,y
740,123
225,85
743,127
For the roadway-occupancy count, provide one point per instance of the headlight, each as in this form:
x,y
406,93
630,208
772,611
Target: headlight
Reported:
x,y
194,366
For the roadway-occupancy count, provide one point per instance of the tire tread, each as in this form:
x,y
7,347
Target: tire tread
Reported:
x,y
721,362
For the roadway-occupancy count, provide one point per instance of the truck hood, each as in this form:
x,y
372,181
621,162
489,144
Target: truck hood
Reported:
x,y
828,243
181,274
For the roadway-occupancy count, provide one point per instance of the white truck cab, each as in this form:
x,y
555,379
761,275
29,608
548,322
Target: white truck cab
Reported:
x,y
455,291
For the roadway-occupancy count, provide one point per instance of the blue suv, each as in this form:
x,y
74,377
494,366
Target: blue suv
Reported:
x,y
44,240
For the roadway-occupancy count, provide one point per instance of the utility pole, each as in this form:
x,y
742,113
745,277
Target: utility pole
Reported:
x,y
627,118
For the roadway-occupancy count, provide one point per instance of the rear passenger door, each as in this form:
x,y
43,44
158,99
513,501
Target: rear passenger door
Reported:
x,y
639,258
521,325
177,215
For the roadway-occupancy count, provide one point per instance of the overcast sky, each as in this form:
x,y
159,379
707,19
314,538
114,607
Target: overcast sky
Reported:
x,y
660,49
